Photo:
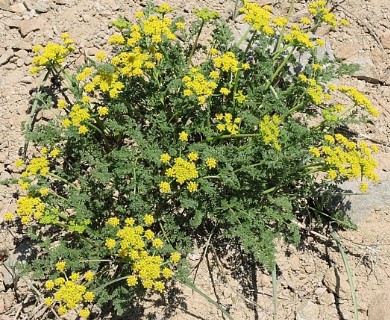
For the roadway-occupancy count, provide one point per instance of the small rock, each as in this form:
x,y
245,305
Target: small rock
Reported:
x,y
20,62
27,26
379,308
12,23
5,5
22,45
6,56
367,70
18,8
7,275
21,53
307,310
385,39
337,283
41,7
60,2
347,50
27,80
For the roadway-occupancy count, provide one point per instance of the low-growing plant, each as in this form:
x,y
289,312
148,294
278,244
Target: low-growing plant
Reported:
x,y
167,135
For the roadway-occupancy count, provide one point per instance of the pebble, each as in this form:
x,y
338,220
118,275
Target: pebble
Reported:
x,y
385,39
307,310
367,69
27,26
18,8
379,308
6,56
346,50
23,45
41,7
337,283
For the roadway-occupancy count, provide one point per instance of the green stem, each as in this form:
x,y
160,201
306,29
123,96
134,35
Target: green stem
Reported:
x,y
53,175
281,66
195,43
284,27
214,303
349,273
275,292
239,135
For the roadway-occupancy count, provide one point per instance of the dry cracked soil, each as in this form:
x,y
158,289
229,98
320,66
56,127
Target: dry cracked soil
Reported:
x,y
312,281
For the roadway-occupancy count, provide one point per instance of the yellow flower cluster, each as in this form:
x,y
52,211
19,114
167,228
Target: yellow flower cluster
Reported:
x,y
107,82
260,18
38,165
197,84
359,99
347,159
227,62
205,14
52,54
230,125
130,64
30,206
70,293
134,243
77,117
158,28
297,37
318,9
269,128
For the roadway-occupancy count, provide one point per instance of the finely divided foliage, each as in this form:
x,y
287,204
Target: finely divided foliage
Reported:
x,y
148,145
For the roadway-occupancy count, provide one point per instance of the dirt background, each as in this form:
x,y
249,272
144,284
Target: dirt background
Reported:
x,y
312,281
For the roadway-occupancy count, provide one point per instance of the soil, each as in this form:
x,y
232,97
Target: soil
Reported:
x,y
311,279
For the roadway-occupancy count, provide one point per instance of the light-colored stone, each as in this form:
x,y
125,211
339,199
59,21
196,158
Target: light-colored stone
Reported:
x,y
307,310
385,39
41,7
379,308
4,5
367,69
347,50
18,8
6,56
27,26
22,45
337,282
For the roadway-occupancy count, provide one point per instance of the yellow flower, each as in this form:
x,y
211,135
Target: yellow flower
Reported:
x,y
344,22
148,219
8,216
44,191
83,129
211,163
159,286
132,281
175,257
113,221
48,301
49,285
84,313
102,111
55,153
305,21
89,275
100,56
18,163
89,296
193,156
320,42
157,243
224,91
60,266
180,25
167,273
363,187
165,158
61,310
192,186
110,243
183,136
165,187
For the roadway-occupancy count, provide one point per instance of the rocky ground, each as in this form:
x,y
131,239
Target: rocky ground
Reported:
x,y
312,281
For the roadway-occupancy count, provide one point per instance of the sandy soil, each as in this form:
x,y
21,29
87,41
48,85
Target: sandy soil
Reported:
x,y
312,281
